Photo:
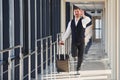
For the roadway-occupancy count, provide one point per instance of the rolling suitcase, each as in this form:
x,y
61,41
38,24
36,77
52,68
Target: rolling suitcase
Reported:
x,y
62,63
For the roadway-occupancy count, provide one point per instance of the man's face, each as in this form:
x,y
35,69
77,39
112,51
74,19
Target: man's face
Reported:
x,y
77,13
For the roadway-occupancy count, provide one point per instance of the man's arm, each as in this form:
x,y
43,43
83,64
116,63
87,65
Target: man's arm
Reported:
x,y
85,20
67,32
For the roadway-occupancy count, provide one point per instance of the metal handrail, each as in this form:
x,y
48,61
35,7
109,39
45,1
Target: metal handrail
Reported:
x,y
47,49
63,49
11,62
6,50
43,38
47,60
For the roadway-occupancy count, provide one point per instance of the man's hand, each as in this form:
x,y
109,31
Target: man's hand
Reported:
x,y
83,13
61,42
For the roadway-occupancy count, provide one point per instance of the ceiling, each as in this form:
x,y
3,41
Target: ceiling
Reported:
x,y
89,5
94,7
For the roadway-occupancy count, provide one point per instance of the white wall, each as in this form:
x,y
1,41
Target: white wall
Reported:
x,y
63,16
112,36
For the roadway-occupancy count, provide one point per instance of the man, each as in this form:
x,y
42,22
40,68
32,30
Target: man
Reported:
x,y
76,27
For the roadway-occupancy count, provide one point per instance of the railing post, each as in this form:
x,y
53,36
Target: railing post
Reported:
x,y
51,56
63,48
58,46
36,53
46,55
1,67
36,62
58,49
54,59
21,64
10,65
29,66
41,59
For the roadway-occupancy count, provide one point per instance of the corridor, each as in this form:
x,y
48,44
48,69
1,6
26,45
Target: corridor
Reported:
x,y
30,31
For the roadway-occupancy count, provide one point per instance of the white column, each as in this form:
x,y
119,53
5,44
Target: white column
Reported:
x,y
63,16
41,18
21,22
63,20
21,39
71,11
106,27
113,39
103,28
1,26
21,64
1,23
1,38
11,33
29,40
109,31
36,54
35,20
29,25
11,22
118,39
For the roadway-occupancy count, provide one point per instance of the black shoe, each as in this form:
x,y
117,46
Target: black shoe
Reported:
x,y
77,69
77,72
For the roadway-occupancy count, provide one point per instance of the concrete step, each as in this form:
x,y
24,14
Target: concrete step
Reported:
x,y
84,75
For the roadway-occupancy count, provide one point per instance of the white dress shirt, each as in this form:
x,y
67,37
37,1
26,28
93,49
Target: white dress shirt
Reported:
x,y
85,21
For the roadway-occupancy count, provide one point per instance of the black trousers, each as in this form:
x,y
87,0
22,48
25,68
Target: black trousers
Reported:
x,y
88,46
77,51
